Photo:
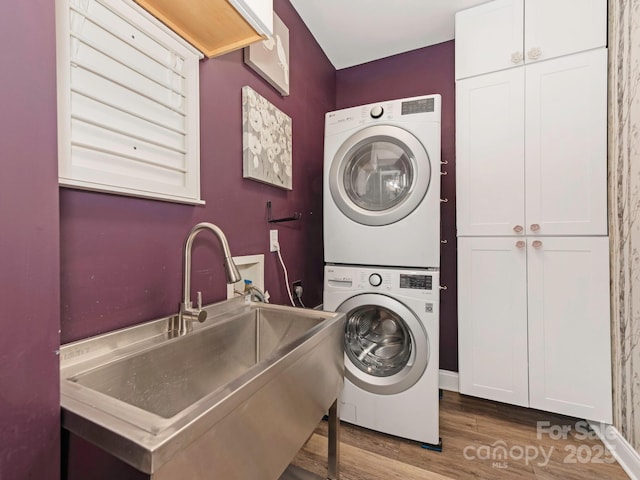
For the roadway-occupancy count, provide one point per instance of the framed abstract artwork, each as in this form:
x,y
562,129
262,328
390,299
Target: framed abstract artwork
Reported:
x,y
266,141
270,58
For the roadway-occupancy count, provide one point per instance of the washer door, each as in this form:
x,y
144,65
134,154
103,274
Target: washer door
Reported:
x,y
386,346
379,175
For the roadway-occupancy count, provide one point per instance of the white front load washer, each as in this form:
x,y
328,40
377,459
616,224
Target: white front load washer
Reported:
x,y
391,348
381,184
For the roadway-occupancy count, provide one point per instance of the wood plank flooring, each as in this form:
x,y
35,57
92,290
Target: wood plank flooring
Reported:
x,y
472,432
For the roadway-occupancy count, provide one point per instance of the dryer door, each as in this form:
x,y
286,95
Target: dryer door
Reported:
x,y
379,175
386,346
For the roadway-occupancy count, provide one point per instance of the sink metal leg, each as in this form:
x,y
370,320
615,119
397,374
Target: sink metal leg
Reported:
x,y
333,471
294,472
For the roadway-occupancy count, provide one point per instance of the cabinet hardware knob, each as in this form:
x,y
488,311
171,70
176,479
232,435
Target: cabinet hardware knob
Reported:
x,y
444,162
520,244
536,244
443,287
534,227
444,242
444,200
518,229
444,173
534,54
516,57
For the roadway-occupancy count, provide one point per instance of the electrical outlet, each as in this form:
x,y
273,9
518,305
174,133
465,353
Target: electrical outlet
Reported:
x,y
297,288
273,240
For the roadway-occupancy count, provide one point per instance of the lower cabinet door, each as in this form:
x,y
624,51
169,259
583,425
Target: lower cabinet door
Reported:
x,y
492,318
569,326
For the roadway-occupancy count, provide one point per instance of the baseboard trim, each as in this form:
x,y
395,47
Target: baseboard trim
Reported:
x,y
620,448
448,380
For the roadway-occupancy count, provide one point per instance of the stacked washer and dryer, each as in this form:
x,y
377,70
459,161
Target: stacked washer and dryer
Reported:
x,y
382,261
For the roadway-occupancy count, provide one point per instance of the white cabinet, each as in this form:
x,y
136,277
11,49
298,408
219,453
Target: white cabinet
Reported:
x,y
569,328
531,196
507,33
531,149
492,319
566,145
533,326
490,153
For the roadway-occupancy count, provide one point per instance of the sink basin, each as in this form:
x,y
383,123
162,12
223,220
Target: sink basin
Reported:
x,y
236,398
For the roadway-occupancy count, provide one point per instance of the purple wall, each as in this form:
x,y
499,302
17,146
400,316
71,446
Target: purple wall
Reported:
x,y
420,72
29,249
122,257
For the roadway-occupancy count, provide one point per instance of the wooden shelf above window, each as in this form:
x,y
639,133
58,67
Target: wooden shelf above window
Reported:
x,y
215,27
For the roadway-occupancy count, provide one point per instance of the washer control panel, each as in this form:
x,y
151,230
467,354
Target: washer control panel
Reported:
x,y
414,282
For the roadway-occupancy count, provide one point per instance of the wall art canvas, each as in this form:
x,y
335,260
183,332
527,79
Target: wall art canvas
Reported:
x,y
266,141
270,58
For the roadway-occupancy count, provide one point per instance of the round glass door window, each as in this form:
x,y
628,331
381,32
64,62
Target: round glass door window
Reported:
x,y
386,348
377,341
379,175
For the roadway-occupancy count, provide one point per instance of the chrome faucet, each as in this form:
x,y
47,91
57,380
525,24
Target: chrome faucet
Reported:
x,y
189,313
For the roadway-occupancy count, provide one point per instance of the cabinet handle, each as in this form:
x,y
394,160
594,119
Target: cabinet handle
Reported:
x,y
534,227
518,229
443,287
444,242
536,244
535,53
444,173
520,244
444,200
516,57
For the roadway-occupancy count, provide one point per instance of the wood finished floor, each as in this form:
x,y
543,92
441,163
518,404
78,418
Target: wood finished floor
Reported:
x,y
472,426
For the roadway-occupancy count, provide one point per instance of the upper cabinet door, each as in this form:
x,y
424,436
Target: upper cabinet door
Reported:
x,y
508,33
559,27
489,37
490,154
566,145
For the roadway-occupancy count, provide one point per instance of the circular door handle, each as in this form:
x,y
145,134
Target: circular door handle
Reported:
x,y
516,57
534,54
535,227
518,229
520,244
536,244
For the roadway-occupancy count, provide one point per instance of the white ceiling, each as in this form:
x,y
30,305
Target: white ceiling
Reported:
x,y
352,32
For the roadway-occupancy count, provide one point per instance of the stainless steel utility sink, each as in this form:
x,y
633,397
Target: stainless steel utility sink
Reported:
x,y
236,398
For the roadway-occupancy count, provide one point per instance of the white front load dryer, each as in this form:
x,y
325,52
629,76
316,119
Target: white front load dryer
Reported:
x,y
381,184
391,344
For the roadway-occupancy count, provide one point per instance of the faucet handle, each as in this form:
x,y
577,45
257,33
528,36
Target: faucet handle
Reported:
x,y
201,314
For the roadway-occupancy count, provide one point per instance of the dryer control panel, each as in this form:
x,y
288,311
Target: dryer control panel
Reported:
x,y
421,109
